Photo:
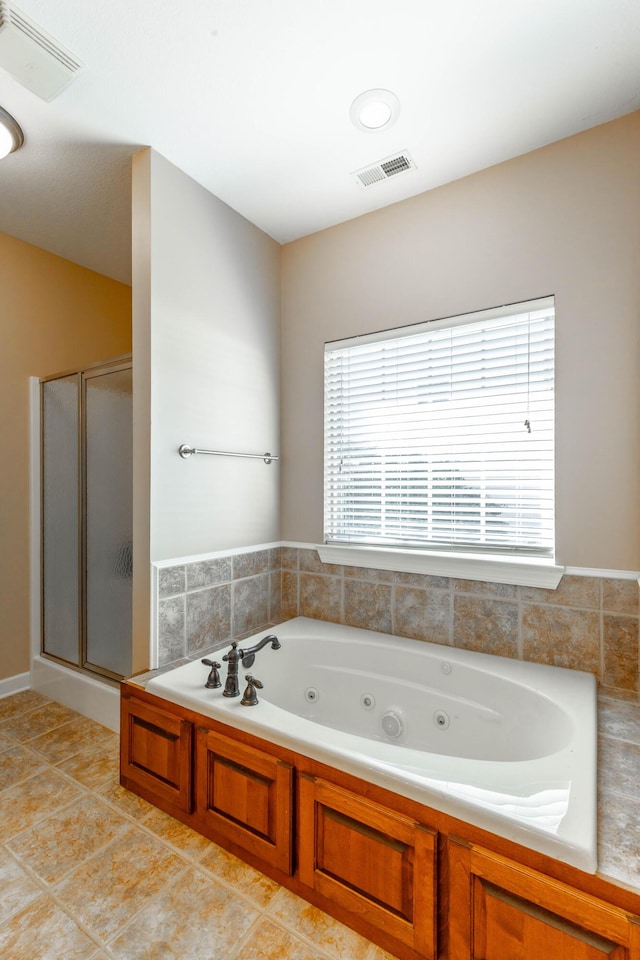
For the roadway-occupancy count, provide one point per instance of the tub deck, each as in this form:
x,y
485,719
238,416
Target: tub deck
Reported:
x,y
544,799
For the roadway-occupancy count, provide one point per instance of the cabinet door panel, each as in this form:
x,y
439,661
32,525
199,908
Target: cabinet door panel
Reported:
x,y
513,927
368,858
245,796
156,752
501,909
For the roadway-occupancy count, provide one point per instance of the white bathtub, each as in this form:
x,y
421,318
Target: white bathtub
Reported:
x,y
505,745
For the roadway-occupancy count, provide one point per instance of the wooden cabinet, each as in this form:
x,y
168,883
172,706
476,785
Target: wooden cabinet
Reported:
x,y
155,754
500,909
246,796
373,861
418,882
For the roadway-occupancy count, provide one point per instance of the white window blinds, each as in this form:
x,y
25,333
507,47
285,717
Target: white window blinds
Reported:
x,y
442,435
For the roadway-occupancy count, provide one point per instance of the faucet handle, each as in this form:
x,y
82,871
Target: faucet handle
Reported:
x,y
231,655
250,697
213,680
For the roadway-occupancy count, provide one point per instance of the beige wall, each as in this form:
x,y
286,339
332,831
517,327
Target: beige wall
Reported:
x,y
564,220
55,316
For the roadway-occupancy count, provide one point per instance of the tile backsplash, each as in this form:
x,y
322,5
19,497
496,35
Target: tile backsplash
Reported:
x,y
587,623
203,604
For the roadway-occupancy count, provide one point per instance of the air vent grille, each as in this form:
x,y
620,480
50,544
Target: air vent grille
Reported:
x,y
32,56
384,169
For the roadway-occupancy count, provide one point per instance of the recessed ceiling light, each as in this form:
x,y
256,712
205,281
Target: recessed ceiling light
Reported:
x,y
374,110
11,136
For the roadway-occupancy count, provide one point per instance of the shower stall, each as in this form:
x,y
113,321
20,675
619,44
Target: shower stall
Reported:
x,y
86,452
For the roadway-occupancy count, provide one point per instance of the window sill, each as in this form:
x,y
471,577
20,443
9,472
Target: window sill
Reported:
x,y
489,569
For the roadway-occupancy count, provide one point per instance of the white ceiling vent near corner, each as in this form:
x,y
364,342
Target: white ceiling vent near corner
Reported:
x,y
384,169
32,56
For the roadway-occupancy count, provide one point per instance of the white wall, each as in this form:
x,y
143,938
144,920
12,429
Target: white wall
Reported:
x,y
206,339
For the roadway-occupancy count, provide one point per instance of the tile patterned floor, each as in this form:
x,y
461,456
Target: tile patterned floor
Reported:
x,y
89,871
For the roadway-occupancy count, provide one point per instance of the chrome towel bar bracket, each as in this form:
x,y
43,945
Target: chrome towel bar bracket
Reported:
x,y
185,451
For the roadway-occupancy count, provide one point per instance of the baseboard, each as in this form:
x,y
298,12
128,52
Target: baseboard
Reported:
x,y
96,700
21,681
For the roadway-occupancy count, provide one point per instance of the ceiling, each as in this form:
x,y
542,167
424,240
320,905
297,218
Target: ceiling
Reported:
x,y
251,98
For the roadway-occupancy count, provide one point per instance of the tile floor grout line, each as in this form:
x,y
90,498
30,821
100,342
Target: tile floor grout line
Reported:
x,y
284,924
36,755
22,713
65,876
186,860
40,884
40,820
48,891
236,891
44,769
81,924
107,942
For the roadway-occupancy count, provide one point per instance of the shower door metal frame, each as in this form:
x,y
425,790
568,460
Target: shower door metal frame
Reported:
x,y
92,370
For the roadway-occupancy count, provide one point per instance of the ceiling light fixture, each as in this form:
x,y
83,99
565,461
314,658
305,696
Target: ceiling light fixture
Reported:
x,y
11,135
374,110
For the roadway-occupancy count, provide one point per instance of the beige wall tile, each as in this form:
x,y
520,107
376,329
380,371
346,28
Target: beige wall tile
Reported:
x,y
368,605
561,636
251,564
571,592
487,625
275,596
289,599
289,558
207,573
421,580
621,761
208,618
422,614
321,597
620,638
250,604
619,693
620,720
310,562
620,596
502,591
369,573
619,839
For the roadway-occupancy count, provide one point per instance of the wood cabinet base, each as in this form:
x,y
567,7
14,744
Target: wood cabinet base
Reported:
x,y
421,884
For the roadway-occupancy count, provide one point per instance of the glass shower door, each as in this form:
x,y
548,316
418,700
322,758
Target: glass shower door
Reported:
x,y
108,505
87,496
60,414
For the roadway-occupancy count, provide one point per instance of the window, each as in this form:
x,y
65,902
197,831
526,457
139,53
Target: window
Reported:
x,y
440,436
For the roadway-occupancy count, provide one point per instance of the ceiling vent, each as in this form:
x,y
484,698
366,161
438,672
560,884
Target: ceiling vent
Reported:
x,y
384,169
32,56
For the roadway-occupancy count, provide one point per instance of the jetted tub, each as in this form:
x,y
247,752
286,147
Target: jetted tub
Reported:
x,y
505,745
